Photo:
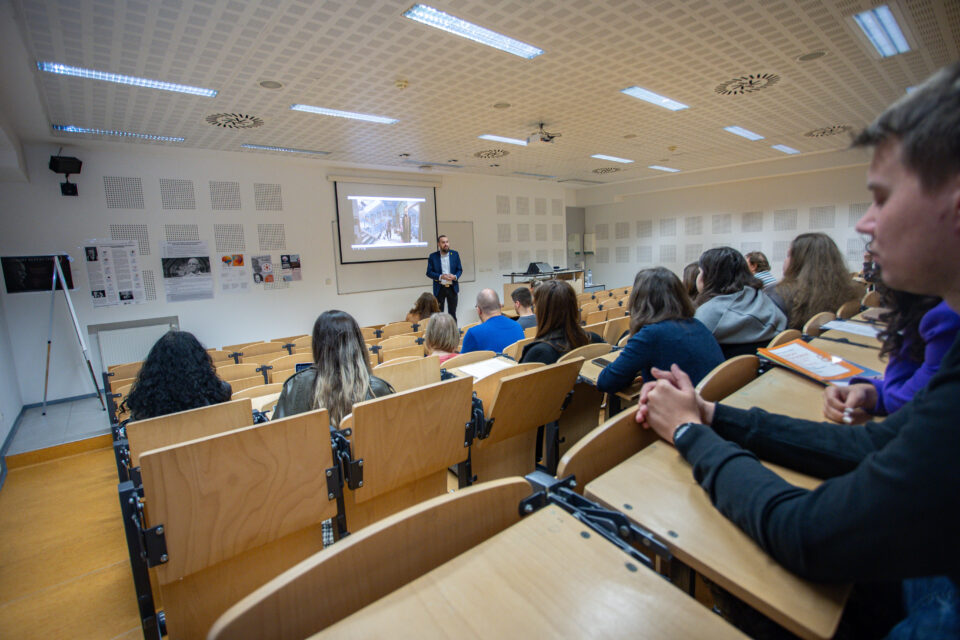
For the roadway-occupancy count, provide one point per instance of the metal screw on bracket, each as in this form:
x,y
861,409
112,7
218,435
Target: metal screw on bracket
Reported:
x,y
360,484
329,473
624,531
360,463
163,558
329,496
160,530
528,508
573,483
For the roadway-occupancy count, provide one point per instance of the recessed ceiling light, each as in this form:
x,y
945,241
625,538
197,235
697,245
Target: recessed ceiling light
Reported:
x,y
502,105
271,84
600,156
660,168
744,133
494,138
342,114
287,149
784,148
654,98
533,175
452,24
882,30
103,132
93,74
811,56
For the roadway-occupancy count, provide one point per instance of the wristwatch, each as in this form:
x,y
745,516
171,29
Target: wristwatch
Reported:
x,y
681,430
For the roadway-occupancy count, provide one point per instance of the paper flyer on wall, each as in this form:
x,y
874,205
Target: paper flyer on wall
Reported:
x,y
113,271
233,273
290,267
186,270
262,269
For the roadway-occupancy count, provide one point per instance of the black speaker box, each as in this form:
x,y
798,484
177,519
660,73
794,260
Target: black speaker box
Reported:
x,y
65,164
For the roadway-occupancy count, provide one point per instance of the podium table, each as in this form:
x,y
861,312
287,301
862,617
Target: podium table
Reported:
x,y
517,280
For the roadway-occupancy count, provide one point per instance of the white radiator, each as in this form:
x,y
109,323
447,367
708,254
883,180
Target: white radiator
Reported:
x,y
120,346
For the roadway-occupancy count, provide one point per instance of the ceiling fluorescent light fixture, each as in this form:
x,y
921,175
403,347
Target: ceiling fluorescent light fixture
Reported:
x,y
488,136
600,156
104,132
287,149
882,30
654,98
784,148
423,163
342,114
659,168
743,133
93,74
452,24
533,175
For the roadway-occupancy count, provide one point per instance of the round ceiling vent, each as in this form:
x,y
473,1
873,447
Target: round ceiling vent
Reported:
x,y
833,130
234,121
603,170
747,84
491,153
811,56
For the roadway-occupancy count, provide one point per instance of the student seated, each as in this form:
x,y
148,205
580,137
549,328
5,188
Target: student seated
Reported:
x,y
886,513
731,304
690,274
340,375
523,303
442,336
177,375
919,331
815,279
760,268
496,331
425,306
663,331
558,324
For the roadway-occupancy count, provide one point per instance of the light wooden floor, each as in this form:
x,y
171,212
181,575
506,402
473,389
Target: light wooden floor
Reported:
x,y
64,568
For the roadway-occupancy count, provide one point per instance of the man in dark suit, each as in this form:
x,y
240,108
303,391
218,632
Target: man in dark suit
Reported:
x,y
444,268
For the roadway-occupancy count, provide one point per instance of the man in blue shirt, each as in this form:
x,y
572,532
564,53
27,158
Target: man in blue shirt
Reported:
x,y
444,268
496,331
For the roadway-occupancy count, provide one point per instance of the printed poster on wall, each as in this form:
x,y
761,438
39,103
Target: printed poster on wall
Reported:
x,y
186,270
233,273
290,267
113,271
262,269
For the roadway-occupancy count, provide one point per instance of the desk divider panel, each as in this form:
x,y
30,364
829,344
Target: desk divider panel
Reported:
x,y
163,431
412,374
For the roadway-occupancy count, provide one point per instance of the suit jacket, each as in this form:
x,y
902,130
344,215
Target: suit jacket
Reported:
x,y
435,270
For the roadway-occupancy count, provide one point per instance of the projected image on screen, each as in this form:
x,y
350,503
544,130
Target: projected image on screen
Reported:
x,y
380,222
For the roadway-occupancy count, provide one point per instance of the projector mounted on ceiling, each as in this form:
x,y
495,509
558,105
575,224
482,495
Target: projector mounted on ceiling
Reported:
x,y
541,137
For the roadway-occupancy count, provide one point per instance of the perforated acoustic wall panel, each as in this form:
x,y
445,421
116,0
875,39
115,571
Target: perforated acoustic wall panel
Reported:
x,y
149,285
503,205
224,196
857,209
135,232
123,192
229,237
523,233
181,232
177,194
540,206
751,222
785,220
523,206
267,197
556,207
271,237
823,217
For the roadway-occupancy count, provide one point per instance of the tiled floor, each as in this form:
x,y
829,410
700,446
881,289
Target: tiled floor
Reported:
x,y
64,422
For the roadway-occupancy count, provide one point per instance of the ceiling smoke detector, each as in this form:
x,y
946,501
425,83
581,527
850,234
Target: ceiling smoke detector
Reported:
x,y
603,170
234,121
271,84
832,130
486,154
747,84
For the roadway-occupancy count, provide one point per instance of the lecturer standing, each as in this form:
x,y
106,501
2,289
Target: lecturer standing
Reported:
x,y
444,268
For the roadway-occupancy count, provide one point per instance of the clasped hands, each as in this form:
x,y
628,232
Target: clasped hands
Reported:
x,y
670,401
850,404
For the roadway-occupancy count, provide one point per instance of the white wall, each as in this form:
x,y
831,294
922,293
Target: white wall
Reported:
x,y
36,219
672,227
10,399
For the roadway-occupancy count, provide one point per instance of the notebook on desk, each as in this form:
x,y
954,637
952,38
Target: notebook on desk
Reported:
x,y
816,364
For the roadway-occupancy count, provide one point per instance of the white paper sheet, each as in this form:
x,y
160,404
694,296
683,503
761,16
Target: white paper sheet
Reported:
x,y
113,272
814,363
482,369
856,328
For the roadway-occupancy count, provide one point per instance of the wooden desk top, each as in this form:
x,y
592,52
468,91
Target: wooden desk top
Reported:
x,y
865,356
590,372
781,391
546,576
460,374
851,337
655,488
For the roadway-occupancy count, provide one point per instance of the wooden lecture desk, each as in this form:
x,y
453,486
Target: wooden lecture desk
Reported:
x,y
656,490
548,576
781,391
590,371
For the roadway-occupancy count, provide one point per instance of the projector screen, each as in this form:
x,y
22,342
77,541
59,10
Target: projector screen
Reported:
x,y
383,223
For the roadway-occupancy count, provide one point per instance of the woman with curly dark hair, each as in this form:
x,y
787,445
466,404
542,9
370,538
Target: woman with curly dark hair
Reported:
x,y
176,376
425,306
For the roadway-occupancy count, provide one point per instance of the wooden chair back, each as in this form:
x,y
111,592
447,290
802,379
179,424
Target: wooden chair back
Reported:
x,y
230,348
467,327
583,298
812,326
258,391
595,317
404,375
398,341
231,372
597,328
871,299
385,556
623,341
529,332
369,333
290,362
373,359
486,387
303,341
604,448
848,309
784,337
399,360
468,358
174,428
615,328
588,308
515,350
407,441
413,350
236,508
219,356
245,383
129,370
395,329
587,352
522,403
116,384
255,352
728,376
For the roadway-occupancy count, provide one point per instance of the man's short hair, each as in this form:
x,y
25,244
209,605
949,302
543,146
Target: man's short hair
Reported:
x,y
522,296
442,235
926,122
488,301
757,259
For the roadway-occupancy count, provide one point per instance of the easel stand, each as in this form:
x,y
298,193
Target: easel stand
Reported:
x,y
58,274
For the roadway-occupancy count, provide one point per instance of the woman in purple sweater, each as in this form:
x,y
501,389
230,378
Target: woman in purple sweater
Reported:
x,y
920,330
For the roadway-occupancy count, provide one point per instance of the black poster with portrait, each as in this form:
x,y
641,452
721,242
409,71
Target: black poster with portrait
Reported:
x,y
23,274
